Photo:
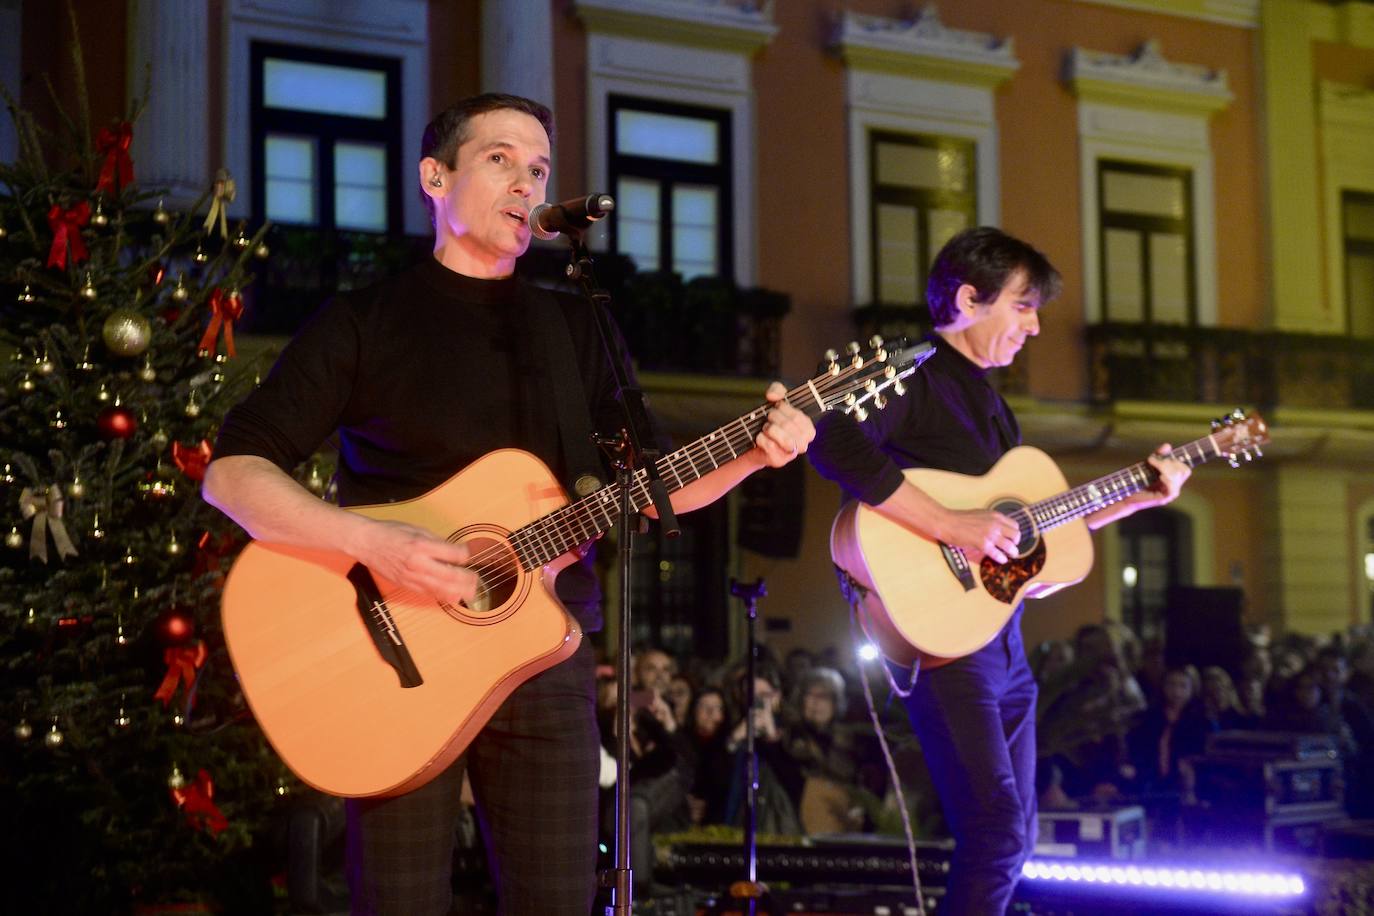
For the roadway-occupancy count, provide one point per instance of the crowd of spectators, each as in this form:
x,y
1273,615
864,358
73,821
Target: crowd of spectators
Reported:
x,y
1117,724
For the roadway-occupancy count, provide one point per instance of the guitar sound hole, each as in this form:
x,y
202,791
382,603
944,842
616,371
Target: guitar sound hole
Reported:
x,y
498,574
1015,510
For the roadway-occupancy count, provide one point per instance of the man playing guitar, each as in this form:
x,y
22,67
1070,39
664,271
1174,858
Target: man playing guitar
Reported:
x,y
974,716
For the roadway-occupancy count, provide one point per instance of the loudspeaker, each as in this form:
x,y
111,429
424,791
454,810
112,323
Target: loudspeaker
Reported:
x,y
1203,627
771,509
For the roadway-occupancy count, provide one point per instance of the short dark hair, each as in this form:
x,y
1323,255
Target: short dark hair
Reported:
x,y
449,129
985,258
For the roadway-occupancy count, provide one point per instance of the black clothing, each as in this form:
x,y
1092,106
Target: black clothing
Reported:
x,y
422,375
974,717
950,419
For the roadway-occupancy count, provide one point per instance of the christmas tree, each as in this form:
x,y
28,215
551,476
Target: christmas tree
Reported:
x,y
133,772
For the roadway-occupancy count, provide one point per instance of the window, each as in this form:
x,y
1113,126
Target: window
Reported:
x,y
1145,217
1357,229
326,138
670,167
922,193
1156,553
678,586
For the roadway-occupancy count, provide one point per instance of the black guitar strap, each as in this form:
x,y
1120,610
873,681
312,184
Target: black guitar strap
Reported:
x,y
553,342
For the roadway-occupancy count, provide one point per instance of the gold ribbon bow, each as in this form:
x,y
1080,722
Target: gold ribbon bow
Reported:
x,y
45,508
219,205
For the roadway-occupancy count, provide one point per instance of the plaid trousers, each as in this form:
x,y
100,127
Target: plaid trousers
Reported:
x,y
533,770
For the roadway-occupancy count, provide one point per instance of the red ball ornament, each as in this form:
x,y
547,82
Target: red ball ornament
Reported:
x,y
170,314
117,422
175,626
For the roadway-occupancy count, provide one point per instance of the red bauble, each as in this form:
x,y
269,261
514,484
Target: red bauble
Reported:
x,y
175,626
117,422
170,314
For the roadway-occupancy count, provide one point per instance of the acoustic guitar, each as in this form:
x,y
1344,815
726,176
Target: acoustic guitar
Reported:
x,y
922,599
366,689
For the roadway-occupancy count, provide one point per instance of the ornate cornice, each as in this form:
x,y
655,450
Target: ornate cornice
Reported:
x,y
742,26
1146,80
923,46
1243,13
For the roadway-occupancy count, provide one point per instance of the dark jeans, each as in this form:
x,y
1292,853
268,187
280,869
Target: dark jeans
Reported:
x,y
975,719
533,770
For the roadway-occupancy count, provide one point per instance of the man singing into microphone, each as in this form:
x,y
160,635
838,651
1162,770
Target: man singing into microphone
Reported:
x,y
420,376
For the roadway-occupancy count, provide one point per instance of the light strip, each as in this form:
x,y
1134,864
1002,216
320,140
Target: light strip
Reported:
x,y
1209,880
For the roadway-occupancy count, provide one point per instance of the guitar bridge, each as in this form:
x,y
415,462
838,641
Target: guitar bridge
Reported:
x,y
381,626
958,564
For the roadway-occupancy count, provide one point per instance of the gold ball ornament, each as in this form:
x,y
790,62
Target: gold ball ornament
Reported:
x,y
180,292
192,409
161,216
3,232
76,489
176,780
98,219
103,394
27,295
14,540
58,421
96,531
146,372
54,738
122,720
178,720
174,546
241,237
200,257
159,439
126,332
23,731
44,365
262,251
26,383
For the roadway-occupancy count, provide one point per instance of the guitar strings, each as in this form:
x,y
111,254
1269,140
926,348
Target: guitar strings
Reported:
x,y
570,526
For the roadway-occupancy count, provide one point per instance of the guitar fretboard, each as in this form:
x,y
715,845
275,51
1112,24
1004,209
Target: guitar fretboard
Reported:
x,y
1104,491
545,539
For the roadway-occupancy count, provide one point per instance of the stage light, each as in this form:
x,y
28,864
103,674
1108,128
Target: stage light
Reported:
x,y
868,652
1167,879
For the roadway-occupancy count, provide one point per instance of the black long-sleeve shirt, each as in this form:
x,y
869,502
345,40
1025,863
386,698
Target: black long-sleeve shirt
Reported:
x,y
950,419
422,375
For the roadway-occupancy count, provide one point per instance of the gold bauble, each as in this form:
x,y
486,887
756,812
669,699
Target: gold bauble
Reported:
x,y
98,219
161,216
23,731
159,439
262,251
14,539
54,737
76,489
146,372
126,332
26,384
3,232
176,780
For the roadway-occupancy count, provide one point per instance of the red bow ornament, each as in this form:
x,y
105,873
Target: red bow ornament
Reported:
x,y
66,233
118,169
191,460
196,800
182,663
225,309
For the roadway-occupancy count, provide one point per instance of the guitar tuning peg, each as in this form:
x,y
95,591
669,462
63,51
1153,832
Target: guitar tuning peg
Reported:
x,y
1231,460
830,355
1216,424
870,386
898,388
879,401
850,400
860,414
856,361
852,347
876,342
880,355
1259,453
889,371
1248,457
1238,414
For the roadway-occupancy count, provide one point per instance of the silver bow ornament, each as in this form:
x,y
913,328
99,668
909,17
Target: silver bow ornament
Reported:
x,y
45,508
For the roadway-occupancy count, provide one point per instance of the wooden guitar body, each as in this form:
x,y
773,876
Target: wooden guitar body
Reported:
x,y
917,602
334,710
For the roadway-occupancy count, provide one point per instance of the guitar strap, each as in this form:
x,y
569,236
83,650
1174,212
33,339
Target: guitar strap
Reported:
x,y
553,341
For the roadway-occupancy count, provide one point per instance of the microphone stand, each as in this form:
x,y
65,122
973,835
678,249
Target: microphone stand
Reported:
x,y
629,454
750,888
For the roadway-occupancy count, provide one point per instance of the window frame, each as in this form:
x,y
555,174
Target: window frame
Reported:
x,y
1352,246
1145,224
923,200
669,172
328,130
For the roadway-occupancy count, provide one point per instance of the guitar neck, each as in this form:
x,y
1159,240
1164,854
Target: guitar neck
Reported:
x,y
1104,491
547,538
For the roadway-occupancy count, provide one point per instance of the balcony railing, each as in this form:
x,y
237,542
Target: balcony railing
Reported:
x,y
1229,366
707,325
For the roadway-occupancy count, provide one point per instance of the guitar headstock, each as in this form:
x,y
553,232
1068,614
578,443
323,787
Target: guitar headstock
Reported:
x,y
860,376
1239,435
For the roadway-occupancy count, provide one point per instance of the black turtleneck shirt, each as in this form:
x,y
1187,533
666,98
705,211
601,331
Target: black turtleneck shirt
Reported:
x,y
420,376
950,419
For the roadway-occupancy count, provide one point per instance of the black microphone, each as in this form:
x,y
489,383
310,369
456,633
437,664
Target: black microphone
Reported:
x,y
572,216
